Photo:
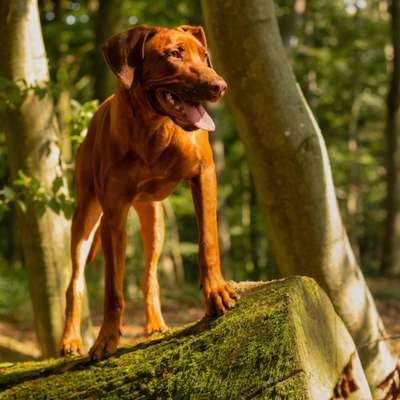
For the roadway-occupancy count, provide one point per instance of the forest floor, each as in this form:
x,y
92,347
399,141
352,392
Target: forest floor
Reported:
x,y
19,335
387,296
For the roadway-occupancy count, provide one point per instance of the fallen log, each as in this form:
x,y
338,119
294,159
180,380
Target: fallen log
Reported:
x,y
283,340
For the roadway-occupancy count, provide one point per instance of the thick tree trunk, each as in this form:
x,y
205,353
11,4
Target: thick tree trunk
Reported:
x,y
391,241
32,141
108,22
289,163
283,341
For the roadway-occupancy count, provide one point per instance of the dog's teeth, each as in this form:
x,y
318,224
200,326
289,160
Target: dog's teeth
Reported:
x,y
170,98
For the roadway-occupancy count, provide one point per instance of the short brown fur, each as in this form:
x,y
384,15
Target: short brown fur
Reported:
x,y
135,155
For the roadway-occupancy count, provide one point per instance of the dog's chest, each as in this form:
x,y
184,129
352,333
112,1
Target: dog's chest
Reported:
x,y
161,172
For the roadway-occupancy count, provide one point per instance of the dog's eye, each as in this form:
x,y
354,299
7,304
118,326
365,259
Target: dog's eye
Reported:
x,y
175,54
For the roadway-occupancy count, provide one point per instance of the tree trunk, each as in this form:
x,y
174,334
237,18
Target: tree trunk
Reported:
x,y
174,242
391,241
290,166
32,141
283,341
289,23
108,22
310,85
224,235
253,233
353,201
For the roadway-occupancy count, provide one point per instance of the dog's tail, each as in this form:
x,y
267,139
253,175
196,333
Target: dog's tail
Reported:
x,y
96,244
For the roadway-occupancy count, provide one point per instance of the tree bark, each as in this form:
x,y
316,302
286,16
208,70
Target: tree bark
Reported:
x,y
290,166
391,241
224,235
289,23
32,141
353,200
108,22
174,242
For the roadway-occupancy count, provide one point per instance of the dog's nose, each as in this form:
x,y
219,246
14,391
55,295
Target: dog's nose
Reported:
x,y
218,87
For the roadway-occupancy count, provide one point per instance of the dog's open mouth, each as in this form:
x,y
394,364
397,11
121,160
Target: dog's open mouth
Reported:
x,y
190,115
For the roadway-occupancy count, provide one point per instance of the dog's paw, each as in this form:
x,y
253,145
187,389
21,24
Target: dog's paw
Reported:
x,y
71,346
156,327
219,298
105,345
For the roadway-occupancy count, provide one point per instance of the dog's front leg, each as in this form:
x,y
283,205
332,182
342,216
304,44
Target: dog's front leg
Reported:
x,y
113,238
218,294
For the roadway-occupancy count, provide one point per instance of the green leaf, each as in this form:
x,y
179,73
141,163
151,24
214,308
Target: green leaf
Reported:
x,y
57,184
40,208
8,193
21,205
4,83
54,205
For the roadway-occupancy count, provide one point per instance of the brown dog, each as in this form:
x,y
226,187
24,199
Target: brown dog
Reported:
x,y
145,139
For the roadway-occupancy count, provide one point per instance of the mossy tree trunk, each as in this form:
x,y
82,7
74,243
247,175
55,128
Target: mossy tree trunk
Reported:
x,y
32,143
282,341
289,163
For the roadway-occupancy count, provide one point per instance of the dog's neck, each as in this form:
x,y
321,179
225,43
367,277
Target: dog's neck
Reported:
x,y
144,129
150,120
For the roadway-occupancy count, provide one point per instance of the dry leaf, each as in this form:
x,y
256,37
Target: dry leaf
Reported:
x,y
346,383
391,384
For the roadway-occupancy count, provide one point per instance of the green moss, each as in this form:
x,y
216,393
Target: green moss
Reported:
x,y
249,353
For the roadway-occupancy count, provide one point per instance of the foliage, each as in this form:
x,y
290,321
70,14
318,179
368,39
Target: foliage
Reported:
x,y
13,289
81,116
337,50
338,55
28,191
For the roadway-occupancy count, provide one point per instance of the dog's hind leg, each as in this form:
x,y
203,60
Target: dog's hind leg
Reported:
x,y
83,233
152,230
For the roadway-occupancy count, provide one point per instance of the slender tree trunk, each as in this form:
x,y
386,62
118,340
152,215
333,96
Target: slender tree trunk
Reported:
x,y
108,22
174,242
310,85
254,249
289,23
63,105
290,166
32,139
223,222
391,241
353,200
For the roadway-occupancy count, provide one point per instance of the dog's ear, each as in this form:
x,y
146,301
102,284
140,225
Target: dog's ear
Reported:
x,y
199,34
124,52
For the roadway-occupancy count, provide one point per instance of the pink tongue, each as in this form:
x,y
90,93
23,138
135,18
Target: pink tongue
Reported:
x,y
198,116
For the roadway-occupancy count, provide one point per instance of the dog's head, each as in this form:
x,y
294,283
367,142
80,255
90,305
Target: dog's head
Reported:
x,y
174,67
